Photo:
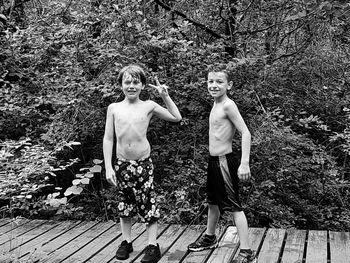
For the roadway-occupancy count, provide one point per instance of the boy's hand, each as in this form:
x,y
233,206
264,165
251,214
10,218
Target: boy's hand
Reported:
x,y
110,176
244,172
162,89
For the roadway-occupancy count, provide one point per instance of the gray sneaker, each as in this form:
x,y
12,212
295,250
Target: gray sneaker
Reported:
x,y
245,257
205,242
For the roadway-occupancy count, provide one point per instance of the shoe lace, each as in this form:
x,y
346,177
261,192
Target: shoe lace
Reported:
x,y
201,240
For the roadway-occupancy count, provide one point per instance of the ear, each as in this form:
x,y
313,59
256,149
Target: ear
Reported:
x,y
230,84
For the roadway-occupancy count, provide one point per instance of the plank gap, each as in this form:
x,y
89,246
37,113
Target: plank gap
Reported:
x,y
282,247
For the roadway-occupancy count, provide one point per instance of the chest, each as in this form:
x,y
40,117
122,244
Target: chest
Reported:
x,y
132,116
217,116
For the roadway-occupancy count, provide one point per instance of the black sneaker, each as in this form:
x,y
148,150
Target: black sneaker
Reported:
x,y
152,254
205,242
124,250
245,257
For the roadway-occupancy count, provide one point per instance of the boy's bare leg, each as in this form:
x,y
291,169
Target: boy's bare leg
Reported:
x,y
125,224
152,233
242,229
213,218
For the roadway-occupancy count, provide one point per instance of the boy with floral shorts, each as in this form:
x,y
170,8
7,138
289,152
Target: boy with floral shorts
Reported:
x,y
132,173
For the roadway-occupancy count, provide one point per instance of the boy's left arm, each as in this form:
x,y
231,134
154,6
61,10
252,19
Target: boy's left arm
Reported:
x,y
235,117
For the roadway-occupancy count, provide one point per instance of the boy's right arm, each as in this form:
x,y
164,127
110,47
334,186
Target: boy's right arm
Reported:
x,y
108,141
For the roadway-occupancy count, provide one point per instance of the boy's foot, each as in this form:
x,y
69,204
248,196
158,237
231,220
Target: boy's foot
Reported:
x,y
245,256
205,242
124,250
152,254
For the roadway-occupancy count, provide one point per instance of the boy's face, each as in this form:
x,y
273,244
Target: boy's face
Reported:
x,y
131,86
218,84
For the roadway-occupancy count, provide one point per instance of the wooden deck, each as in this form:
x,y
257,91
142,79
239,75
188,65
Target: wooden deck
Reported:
x,y
76,241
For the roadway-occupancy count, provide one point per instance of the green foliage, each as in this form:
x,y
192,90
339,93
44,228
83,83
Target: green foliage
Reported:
x,y
28,175
286,162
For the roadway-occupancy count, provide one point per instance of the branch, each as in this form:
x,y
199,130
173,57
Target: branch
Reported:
x,y
295,52
204,27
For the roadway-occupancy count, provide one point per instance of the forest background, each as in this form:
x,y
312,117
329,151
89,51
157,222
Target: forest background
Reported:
x,y
290,59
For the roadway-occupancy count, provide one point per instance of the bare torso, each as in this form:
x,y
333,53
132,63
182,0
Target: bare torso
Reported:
x,y
131,122
221,131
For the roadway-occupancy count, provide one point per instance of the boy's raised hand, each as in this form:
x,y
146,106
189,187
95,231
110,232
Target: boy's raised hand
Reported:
x,y
162,89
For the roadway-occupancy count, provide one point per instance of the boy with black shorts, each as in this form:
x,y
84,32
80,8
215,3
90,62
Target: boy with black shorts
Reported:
x,y
224,170
132,172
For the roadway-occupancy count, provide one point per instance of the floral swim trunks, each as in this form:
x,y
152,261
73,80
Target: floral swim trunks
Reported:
x,y
136,195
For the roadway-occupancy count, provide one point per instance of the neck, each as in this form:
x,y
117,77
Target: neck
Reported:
x,y
220,99
131,101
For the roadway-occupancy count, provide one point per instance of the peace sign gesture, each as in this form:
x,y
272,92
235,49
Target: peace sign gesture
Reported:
x,y
162,89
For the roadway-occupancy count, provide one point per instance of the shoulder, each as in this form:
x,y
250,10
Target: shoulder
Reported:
x,y
150,103
112,107
230,105
230,109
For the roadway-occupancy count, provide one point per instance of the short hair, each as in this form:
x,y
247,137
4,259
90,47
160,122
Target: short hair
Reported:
x,y
222,67
135,71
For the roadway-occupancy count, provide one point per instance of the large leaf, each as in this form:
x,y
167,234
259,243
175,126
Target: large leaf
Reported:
x,y
75,190
96,169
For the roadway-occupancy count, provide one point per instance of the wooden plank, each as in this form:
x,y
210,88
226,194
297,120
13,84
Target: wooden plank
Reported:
x,y
29,236
97,244
294,247
59,241
316,251
177,251
255,237
272,245
15,236
228,246
108,252
11,225
139,245
76,244
202,256
39,241
4,221
168,237
339,243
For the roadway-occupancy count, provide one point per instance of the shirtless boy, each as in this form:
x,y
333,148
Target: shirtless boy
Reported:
x,y
224,170
132,172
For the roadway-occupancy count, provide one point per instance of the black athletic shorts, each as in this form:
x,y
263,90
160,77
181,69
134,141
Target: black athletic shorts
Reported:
x,y
222,183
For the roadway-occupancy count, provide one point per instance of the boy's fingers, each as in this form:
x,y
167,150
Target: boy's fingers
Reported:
x,y
152,86
244,177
